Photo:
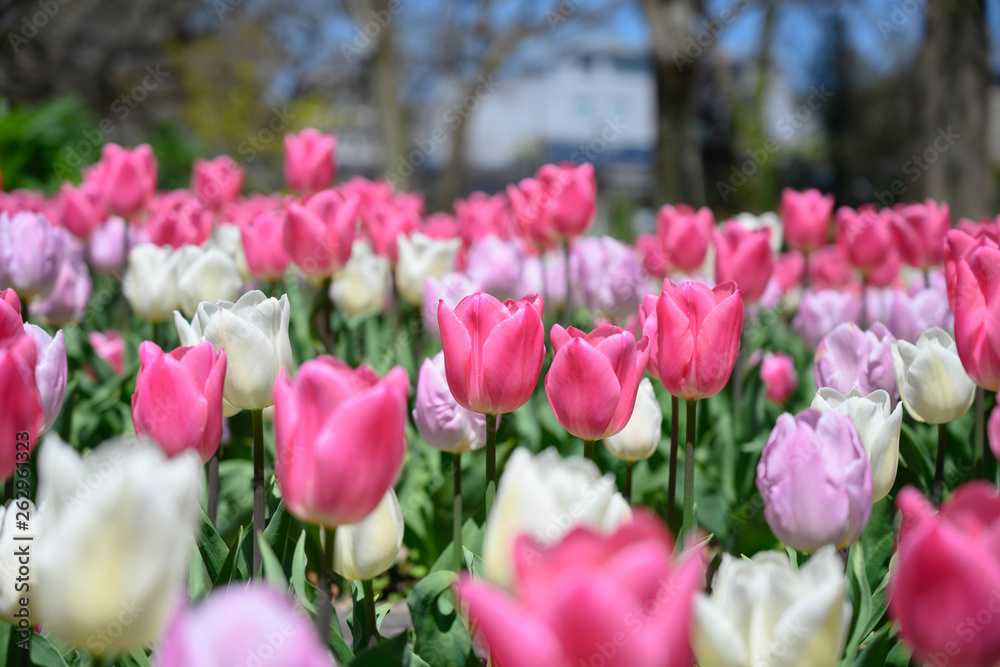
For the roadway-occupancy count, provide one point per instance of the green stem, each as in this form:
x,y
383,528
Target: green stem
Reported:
x,y
456,530
672,474
979,455
258,487
627,489
688,517
491,461
213,486
937,490
324,596
370,628
588,449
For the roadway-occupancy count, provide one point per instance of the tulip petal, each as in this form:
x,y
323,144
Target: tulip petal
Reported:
x,y
582,389
512,359
716,641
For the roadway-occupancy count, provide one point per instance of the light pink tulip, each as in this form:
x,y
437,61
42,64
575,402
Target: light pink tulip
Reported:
x,y
593,380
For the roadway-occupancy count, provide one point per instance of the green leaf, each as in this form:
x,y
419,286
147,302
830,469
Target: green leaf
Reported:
x,y
861,598
273,572
212,547
44,654
473,563
356,621
389,652
299,583
139,657
874,652
276,531
228,568
441,637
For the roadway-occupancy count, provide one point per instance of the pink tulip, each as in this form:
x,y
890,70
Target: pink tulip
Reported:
x,y
828,268
249,625
557,205
11,324
339,439
694,335
993,429
106,251
81,208
805,217
958,246
451,288
493,351
621,600
178,397
31,254
387,221
654,259
217,181
309,160
988,227
919,229
178,219
594,378
865,237
777,372
497,265
849,358
481,215
67,301
109,346
977,316
744,257
318,235
686,235
944,591
264,244
22,418
127,178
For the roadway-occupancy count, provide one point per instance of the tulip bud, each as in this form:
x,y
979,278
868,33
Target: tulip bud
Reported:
x,y
767,220
364,550
932,382
113,554
309,160
253,625
443,423
362,287
493,351
177,218
22,409
253,332
593,380
82,208
205,274
151,282
318,235
339,439
419,258
777,372
800,618
545,496
977,331
106,251
217,181
878,426
815,480
685,235
744,256
264,244
641,435
109,346
806,218
126,177
866,239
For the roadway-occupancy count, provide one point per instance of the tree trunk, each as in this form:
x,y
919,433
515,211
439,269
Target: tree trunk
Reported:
x,y
390,110
950,157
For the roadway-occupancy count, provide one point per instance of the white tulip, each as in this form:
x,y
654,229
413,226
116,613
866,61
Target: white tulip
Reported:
x,y
254,334
205,274
877,423
366,549
114,550
419,258
362,286
228,238
762,613
150,283
11,590
769,220
545,496
641,435
932,382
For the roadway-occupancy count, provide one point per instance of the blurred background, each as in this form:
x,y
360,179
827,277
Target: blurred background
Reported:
x,y
710,102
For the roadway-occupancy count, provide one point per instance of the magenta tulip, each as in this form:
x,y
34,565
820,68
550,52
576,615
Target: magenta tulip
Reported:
x,y
318,234
178,397
339,439
127,178
694,335
977,316
309,160
178,218
685,235
865,237
82,208
493,351
594,378
805,217
919,229
944,591
744,257
620,599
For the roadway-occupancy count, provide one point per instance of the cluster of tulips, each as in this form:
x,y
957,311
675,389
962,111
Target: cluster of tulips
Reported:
x,y
490,304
